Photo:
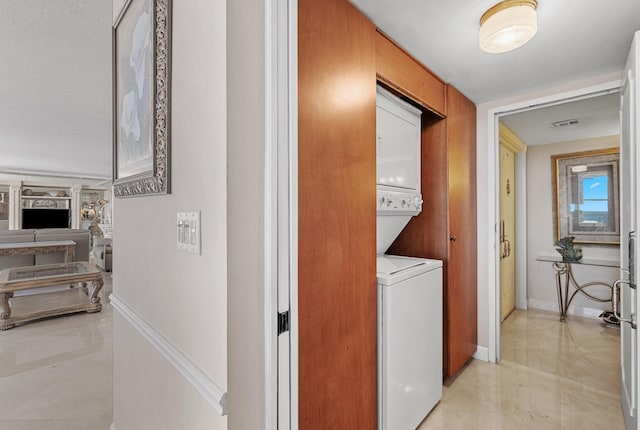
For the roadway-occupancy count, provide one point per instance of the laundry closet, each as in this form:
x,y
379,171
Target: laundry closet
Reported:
x,y
409,289
340,64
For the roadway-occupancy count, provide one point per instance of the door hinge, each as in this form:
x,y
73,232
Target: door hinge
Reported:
x,y
283,322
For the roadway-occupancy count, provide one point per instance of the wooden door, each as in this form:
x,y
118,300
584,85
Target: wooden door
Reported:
x,y
461,297
507,232
446,228
337,337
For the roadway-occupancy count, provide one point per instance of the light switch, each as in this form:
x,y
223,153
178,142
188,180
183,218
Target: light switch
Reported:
x,y
188,232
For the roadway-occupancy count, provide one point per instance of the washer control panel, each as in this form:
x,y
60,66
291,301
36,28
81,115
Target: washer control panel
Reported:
x,y
393,202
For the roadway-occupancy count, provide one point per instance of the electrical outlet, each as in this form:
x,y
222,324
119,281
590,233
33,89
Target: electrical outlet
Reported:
x,y
188,232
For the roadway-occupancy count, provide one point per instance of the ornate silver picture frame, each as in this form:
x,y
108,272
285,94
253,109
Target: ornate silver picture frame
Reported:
x,y
141,39
586,196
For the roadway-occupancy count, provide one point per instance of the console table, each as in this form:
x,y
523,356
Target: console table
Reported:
x,y
29,308
44,247
565,268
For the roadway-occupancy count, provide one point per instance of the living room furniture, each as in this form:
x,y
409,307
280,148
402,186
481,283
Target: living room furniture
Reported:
x,y
80,237
27,248
102,252
55,203
565,268
28,308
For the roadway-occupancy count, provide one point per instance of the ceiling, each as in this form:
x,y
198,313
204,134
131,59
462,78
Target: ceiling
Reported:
x,y
55,86
596,117
576,40
55,67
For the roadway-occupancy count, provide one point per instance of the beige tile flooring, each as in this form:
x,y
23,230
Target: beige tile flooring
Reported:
x,y
553,376
55,374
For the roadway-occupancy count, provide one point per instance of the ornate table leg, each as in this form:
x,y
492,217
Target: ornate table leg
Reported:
x,y
564,299
95,295
70,255
5,310
561,269
568,276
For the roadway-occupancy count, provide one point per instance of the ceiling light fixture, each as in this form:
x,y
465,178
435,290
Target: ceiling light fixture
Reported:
x,y
508,25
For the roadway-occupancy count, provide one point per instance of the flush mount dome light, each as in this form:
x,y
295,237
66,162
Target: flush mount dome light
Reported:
x,y
508,25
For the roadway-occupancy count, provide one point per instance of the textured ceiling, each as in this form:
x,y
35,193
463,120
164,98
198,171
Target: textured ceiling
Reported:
x,y
55,86
576,39
55,65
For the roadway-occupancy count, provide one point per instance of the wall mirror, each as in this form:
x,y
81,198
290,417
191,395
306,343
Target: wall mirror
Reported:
x,y
586,194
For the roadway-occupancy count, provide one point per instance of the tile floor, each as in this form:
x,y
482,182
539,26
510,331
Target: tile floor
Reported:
x,y
553,376
55,374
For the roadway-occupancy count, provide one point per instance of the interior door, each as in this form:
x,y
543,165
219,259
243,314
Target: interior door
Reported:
x,y
628,247
461,303
507,232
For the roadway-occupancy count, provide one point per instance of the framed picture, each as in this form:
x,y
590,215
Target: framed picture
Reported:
x,y
141,90
586,196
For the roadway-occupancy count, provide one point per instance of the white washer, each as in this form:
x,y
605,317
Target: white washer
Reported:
x,y
409,340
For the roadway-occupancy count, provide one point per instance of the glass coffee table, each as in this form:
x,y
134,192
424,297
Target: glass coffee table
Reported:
x,y
31,307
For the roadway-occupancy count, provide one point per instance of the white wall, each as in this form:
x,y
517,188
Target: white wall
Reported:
x,y
246,209
181,296
485,156
541,289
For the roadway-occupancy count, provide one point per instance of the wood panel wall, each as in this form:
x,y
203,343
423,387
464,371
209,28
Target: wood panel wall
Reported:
x,y
448,165
403,73
337,217
462,293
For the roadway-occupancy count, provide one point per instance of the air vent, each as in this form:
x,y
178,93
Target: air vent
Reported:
x,y
566,123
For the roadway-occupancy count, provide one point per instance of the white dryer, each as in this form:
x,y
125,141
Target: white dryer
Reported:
x,y
397,166
409,340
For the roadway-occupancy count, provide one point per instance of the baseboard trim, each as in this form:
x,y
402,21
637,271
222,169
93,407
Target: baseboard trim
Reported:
x,y
482,353
200,381
573,310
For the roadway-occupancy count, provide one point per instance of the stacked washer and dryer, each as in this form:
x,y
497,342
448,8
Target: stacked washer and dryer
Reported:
x,y
409,289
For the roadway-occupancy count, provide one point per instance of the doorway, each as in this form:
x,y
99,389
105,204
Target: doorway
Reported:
x,y
492,252
533,335
511,192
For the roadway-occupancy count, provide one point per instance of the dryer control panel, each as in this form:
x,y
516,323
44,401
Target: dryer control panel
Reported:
x,y
397,203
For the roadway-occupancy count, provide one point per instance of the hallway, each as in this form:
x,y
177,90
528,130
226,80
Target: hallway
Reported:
x,y
55,374
534,389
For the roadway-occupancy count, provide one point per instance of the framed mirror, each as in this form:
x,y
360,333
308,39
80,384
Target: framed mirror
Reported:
x,y
586,196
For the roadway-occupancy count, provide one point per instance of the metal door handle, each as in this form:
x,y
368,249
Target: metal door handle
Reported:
x,y
615,297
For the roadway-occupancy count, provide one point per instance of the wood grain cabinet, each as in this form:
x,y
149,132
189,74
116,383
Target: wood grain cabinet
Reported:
x,y
340,56
336,217
446,228
401,72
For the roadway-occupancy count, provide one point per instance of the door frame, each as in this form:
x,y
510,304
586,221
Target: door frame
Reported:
x,y
493,185
281,208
